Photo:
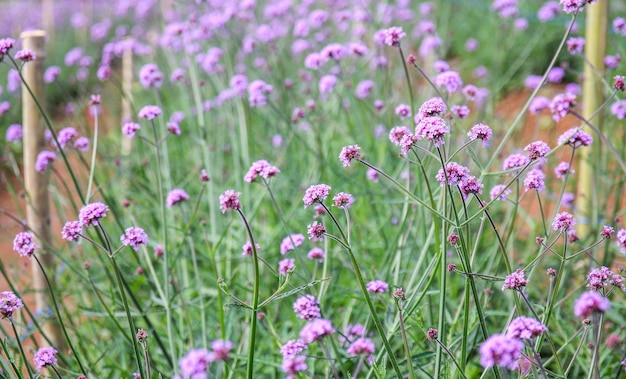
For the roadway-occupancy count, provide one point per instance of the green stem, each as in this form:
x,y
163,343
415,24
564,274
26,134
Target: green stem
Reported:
x,y
19,344
405,342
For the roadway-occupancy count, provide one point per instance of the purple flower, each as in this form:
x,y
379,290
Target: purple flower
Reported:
x,y
441,65
91,214
45,356
82,143
196,363
403,111
150,112
619,84
307,307
51,74
315,194
334,51
505,8
130,128
432,107
343,200
537,149
285,265
575,138
288,243
618,108
150,76
607,232
515,281
502,351
25,55
570,6
619,26
377,286
316,231
173,128
481,132
316,254
176,196
454,174
293,364
561,104
230,200
348,153
532,81
602,278
498,191
555,75
247,248
612,61
14,133
548,11
451,80
538,104
520,24
363,89
429,44
134,237
590,302
393,35
534,180
525,328
260,168
221,349
327,83
470,185
461,111
292,348
621,240
71,230
563,221
44,159
9,303
361,346
65,135
397,133
6,44
315,330
575,45
562,169
372,175
514,161
434,129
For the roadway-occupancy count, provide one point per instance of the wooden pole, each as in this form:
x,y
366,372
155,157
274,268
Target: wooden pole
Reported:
x,y
595,49
36,183
47,14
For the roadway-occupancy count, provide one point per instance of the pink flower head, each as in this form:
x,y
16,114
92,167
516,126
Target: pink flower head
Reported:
x,y
293,364
288,243
14,133
316,231
343,200
230,200
173,128
307,307
316,254
537,149
377,286
481,132
327,83
130,128
470,186
618,108
176,196
372,175
221,349
451,80
602,278
590,302
434,129
397,133
44,159
286,265
612,61
6,44
460,111
515,281
334,51
361,346
575,138
621,240
502,351
618,83
619,26
348,153
607,232
363,89
65,135
315,330
505,8
82,143
71,230
91,214
315,194
538,104
555,75
525,328
150,112
25,55
134,237
9,303
575,45
563,221
500,192
195,363
247,248
24,243
403,111
570,6
534,180
561,104
260,168
453,175
562,169
150,76
292,348
432,107
45,356
393,35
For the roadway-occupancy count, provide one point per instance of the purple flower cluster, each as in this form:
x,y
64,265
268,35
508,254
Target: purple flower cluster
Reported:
x,y
537,149
285,265
432,107
621,240
177,196
316,231
134,237
315,194
534,180
247,248
343,200
434,129
481,132
525,328
377,286
315,330
575,138
515,281
361,346
561,104
500,192
307,307
453,175
45,356
603,277
515,161
91,214
348,153
563,222
9,304
260,168
590,302
44,159
14,133
230,200
150,112
501,350
288,243
450,80
562,169
24,243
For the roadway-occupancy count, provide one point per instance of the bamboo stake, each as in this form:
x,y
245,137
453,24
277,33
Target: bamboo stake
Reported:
x,y
47,14
36,184
595,48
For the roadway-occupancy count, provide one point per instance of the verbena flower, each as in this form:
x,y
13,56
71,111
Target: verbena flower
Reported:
x,y
454,174
293,364
9,304
221,349
363,89
14,133
377,286
393,35
433,129
150,76
91,214
230,200
292,348
498,191
590,302
315,194
515,281
134,237
556,75
177,196
307,307
348,153
288,243
403,111
563,222
361,346
24,243
461,111
525,328
432,107
607,232
621,240
481,132
603,277
247,248
195,364
538,104
130,128
65,135
45,356
618,109
316,231
285,265
397,133
150,112
372,175
450,80
315,330
575,45
470,186
327,83
514,161
562,169
25,55
44,159
71,230
502,351
537,149
534,180
260,168
316,253
561,104
575,138
343,200
82,143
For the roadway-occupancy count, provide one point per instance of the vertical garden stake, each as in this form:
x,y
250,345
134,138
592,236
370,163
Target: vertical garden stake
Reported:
x,y
36,183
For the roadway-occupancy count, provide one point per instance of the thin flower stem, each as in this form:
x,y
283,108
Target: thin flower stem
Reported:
x,y
330,359
542,214
94,152
56,371
580,345
440,344
18,372
58,314
255,298
146,358
408,82
597,333
19,344
405,342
